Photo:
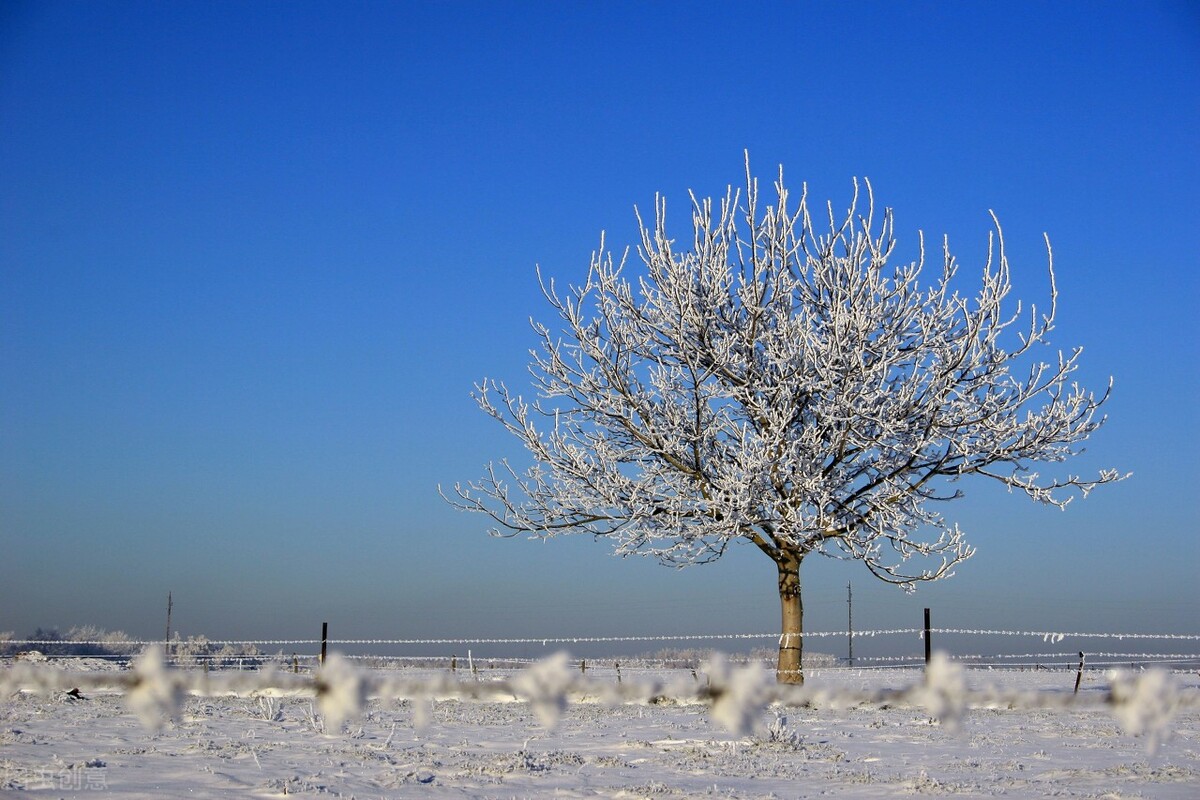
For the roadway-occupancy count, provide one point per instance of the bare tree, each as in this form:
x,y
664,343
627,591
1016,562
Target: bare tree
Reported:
x,y
785,386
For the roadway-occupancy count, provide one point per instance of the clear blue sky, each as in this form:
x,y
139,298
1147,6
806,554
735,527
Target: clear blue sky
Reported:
x,y
254,255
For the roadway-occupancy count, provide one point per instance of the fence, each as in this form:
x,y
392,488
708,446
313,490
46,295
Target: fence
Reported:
x,y
736,688
243,654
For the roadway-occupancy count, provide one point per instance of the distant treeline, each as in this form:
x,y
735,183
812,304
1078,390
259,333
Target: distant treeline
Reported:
x,y
83,641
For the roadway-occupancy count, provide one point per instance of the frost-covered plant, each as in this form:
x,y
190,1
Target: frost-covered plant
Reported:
x,y
190,651
155,696
786,384
315,721
340,691
196,650
1145,704
944,691
780,732
270,708
545,685
737,693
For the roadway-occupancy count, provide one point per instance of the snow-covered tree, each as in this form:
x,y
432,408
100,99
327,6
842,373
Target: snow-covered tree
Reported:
x,y
787,386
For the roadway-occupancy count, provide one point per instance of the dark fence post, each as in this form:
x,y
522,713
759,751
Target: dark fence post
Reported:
x,y
1079,675
928,642
850,621
324,640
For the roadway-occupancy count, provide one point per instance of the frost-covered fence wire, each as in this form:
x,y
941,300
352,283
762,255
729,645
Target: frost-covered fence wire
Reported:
x,y
1047,636
253,653
1144,702
1058,636
544,640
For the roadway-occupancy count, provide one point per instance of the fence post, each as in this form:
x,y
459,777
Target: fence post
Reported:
x,y
324,640
928,643
1079,674
850,620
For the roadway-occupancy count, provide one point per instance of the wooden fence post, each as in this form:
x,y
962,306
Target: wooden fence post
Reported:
x,y
928,643
850,621
1079,674
324,640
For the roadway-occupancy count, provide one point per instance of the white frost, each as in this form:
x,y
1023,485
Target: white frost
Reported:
x,y
1145,704
545,686
944,692
340,691
155,696
739,695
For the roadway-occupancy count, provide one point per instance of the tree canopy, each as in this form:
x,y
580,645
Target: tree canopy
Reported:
x,y
785,384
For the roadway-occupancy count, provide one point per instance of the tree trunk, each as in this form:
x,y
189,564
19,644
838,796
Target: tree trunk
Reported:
x,y
791,642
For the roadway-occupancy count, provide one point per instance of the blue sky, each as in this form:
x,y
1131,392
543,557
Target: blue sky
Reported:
x,y
253,257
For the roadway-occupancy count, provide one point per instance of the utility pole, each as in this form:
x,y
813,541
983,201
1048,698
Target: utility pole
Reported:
x,y
850,619
167,641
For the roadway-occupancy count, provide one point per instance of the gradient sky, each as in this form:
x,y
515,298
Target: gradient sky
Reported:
x,y
253,257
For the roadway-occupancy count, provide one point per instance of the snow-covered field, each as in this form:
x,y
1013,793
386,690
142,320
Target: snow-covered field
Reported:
x,y
58,745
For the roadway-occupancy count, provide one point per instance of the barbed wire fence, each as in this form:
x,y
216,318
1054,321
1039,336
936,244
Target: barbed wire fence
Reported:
x,y
156,676
221,653
1145,703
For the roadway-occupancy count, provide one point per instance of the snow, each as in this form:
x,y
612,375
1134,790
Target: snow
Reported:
x,y
341,744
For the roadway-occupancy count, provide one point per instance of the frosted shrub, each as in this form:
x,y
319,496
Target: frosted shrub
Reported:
x,y
1145,704
545,686
944,692
269,708
738,694
155,696
779,732
340,691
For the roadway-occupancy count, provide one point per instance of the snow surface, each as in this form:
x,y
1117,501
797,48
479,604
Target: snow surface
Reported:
x,y
273,746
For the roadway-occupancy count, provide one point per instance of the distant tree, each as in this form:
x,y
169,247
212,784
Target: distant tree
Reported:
x,y
82,640
49,639
787,387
